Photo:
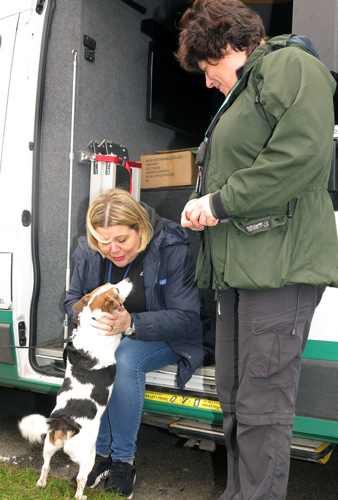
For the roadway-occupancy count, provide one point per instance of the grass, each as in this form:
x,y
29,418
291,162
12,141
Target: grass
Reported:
x,y
20,484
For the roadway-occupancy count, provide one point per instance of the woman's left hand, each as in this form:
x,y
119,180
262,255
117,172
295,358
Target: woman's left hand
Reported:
x,y
113,324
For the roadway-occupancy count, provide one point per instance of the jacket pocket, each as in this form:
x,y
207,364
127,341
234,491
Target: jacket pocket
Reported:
x,y
258,252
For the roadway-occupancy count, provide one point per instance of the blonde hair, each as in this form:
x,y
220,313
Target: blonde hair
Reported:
x,y
116,207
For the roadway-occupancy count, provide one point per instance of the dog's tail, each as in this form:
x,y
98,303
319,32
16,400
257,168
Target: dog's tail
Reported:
x,y
34,427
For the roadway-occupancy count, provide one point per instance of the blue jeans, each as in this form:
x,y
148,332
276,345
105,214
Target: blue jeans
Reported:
x,y
122,419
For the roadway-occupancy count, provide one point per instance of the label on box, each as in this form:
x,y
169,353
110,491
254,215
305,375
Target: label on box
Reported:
x,y
168,169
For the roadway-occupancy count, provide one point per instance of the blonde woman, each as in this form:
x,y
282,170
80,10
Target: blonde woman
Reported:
x,y
160,320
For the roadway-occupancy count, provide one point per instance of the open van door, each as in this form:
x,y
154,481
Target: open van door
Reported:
x,y
23,35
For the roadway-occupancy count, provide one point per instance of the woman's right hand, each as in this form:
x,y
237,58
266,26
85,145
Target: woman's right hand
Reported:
x,y
197,214
113,324
185,216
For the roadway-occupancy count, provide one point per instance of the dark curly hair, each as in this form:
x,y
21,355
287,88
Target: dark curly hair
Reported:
x,y
209,26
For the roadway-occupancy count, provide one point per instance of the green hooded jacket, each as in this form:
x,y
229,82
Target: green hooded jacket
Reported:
x,y
267,166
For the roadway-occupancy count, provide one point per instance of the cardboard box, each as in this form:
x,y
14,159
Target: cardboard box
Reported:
x,y
168,169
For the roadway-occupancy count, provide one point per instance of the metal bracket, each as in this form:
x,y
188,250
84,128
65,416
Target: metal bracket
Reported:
x,y
85,156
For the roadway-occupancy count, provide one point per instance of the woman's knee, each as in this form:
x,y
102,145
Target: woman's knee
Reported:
x,y
124,358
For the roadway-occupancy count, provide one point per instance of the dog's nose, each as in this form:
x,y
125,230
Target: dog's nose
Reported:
x,y
127,279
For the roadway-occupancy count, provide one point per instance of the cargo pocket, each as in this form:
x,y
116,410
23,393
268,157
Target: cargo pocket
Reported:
x,y
272,350
258,252
264,356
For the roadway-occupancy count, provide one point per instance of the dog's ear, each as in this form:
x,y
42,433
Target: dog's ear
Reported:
x,y
78,307
112,302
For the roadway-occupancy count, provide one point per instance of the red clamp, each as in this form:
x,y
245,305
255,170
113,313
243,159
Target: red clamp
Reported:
x,y
124,163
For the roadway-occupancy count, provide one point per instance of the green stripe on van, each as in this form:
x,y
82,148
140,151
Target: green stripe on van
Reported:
x,y
320,349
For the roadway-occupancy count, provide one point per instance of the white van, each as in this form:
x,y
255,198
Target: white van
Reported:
x,y
76,83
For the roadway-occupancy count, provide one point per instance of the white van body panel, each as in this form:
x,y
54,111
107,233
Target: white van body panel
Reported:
x,y
21,31
324,325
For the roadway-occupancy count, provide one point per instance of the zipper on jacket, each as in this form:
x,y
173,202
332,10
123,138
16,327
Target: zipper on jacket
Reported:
x,y
217,280
154,283
203,172
208,228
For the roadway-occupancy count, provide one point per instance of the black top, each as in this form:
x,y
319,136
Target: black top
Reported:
x,y
136,301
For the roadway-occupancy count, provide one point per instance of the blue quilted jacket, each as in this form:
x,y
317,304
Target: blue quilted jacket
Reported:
x,y
175,313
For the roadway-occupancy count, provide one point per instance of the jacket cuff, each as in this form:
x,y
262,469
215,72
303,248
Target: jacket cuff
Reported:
x,y
217,207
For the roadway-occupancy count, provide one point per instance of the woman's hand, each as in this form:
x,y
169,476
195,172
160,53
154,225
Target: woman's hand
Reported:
x,y
185,216
113,324
197,214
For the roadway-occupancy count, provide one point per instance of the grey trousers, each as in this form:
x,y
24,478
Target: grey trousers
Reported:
x,y
260,337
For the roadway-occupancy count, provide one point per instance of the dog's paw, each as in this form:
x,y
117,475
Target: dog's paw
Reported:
x,y
41,483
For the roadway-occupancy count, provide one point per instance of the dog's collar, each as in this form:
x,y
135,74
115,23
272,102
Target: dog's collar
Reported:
x,y
76,321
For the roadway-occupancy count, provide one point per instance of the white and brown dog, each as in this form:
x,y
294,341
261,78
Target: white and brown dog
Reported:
x,y
74,423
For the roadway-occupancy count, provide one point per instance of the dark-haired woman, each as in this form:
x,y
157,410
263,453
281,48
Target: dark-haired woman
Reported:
x,y
267,226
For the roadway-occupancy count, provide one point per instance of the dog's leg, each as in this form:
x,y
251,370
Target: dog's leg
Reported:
x,y
48,452
81,483
85,468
